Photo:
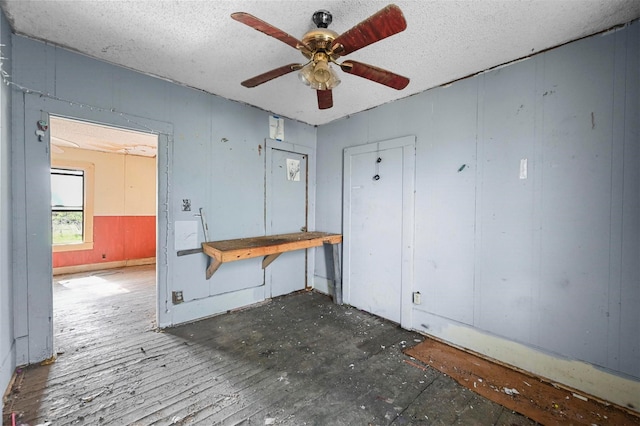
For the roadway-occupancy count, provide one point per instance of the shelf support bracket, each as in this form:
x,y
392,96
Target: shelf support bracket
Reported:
x,y
268,259
214,264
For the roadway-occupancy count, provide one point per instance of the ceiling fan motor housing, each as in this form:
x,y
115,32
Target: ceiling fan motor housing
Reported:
x,y
318,40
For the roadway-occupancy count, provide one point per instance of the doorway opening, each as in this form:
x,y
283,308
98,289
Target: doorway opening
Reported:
x,y
104,223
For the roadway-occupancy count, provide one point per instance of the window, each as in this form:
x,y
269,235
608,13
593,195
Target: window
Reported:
x,y
72,206
67,206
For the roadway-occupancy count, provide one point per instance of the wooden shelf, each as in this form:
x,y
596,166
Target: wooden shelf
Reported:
x,y
247,248
272,246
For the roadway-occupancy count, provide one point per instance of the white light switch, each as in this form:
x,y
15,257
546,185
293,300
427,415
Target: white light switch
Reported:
x,y
523,168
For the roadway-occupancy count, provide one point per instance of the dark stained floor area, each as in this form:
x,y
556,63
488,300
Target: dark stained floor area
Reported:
x,y
294,360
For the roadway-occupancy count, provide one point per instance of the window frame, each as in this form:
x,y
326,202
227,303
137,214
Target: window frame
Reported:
x,y
88,209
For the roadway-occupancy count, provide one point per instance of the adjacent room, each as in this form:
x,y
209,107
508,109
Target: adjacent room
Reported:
x,y
320,212
103,190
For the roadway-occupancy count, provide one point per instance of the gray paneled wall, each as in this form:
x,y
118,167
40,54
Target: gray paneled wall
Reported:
x,y
7,353
578,200
624,297
211,151
551,260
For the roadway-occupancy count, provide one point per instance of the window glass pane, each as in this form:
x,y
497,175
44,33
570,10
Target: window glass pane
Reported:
x,y
67,205
67,189
67,227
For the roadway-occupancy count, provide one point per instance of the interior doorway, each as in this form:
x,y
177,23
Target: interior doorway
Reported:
x,y
103,211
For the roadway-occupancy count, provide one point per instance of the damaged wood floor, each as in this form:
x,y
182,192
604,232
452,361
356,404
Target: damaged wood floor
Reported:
x,y
295,360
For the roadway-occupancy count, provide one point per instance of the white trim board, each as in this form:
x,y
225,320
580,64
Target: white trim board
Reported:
x,y
574,374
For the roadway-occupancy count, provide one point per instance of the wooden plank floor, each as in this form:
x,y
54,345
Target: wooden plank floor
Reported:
x,y
295,360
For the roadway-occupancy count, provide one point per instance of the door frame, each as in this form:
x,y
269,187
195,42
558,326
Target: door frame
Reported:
x,y
272,144
408,145
33,316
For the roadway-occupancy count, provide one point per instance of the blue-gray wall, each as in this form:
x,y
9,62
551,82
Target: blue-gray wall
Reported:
x,y
7,355
211,151
551,261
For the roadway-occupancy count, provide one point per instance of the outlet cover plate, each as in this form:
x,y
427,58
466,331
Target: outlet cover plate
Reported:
x,y
176,296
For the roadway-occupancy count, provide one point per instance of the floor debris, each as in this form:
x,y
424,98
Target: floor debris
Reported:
x,y
211,377
539,400
92,397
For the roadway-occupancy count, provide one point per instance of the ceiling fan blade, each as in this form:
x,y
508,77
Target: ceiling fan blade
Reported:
x,y
270,75
383,24
325,99
376,74
267,28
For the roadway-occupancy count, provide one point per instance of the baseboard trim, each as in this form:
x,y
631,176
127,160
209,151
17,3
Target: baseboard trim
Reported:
x,y
601,384
106,265
533,396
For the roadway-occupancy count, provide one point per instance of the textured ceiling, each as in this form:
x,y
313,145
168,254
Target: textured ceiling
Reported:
x,y
67,134
197,44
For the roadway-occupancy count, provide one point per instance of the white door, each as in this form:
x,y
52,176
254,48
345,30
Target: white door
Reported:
x,y
378,228
286,197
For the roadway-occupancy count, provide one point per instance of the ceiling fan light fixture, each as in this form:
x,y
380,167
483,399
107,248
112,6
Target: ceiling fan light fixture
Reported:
x,y
319,76
306,74
333,80
321,72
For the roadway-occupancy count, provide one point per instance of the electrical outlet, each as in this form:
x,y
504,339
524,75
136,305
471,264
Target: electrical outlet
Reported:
x,y
177,297
417,298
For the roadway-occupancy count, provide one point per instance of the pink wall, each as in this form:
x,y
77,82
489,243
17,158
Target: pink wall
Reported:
x,y
123,205
117,238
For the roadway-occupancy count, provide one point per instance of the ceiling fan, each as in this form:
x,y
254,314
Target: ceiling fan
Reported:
x,y
323,46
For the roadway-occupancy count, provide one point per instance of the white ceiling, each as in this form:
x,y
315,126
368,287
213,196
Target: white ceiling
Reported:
x,y
197,44
66,133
